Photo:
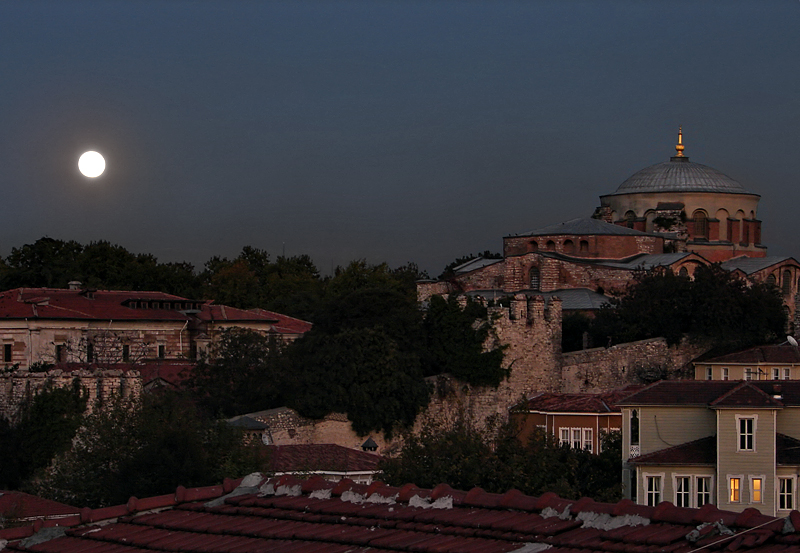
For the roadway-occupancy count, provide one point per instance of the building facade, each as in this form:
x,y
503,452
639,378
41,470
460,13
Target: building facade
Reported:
x,y
733,444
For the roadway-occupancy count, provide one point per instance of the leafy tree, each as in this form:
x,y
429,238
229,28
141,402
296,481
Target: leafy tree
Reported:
x,y
493,458
143,447
361,372
714,306
244,374
573,328
455,339
47,425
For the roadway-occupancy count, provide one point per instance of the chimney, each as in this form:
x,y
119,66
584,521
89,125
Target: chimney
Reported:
x,y
75,285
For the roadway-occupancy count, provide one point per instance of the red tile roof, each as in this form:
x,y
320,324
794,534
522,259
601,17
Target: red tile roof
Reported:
x,y
778,354
286,514
759,393
21,505
605,402
286,324
320,457
698,452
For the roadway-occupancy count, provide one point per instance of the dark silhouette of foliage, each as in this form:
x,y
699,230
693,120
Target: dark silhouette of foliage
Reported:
x,y
455,338
493,458
244,374
144,448
47,424
713,306
573,328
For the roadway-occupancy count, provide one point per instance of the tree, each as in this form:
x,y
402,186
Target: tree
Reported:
x,y
143,447
48,422
455,340
493,458
714,306
361,372
244,374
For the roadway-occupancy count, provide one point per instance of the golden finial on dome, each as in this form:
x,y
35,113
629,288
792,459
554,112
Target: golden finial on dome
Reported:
x,y
679,145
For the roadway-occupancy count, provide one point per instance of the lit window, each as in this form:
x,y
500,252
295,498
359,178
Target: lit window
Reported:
x,y
682,491
653,490
587,440
709,374
703,484
747,428
756,487
724,373
786,494
734,489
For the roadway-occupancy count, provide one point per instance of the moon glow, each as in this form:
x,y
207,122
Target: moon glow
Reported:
x,y
91,164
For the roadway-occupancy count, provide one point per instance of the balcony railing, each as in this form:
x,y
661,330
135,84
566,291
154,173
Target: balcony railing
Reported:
x,y
635,450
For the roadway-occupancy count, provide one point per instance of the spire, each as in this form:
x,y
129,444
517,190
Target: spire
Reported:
x,y
679,148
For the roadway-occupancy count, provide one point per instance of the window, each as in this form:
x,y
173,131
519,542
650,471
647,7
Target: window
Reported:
x,y
89,352
126,353
684,272
60,353
756,489
771,280
747,431
734,485
653,490
787,373
709,374
584,246
776,373
534,246
630,219
162,351
564,438
748,374
700,224
551,246
785,494
682,492
576,438
569,246
535,278
787,282
7,353
587,440
703,487
724,373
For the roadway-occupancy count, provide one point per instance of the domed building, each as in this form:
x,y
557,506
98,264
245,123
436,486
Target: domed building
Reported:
x,y
695,207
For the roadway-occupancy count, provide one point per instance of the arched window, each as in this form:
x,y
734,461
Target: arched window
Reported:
x,y
787,282
630,219
535,279
684,272
584,246
700,224
569,246
551,246
533,246
772,280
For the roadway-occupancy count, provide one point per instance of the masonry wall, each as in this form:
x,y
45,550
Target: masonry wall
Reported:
x,y
20,386
601,369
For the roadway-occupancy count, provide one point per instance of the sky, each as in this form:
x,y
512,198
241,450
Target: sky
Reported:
x,y
396,131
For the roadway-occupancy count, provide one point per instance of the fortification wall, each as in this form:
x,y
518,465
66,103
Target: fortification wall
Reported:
x,y
19,386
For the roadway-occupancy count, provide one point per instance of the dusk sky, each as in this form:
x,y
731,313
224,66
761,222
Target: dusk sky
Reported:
x,y
393,131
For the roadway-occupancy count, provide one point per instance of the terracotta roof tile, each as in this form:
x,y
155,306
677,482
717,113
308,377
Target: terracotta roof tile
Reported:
x,y
605,402
764,393
778,354
271,520
21,505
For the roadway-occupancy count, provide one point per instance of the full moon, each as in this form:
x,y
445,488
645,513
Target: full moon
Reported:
x,y
91,164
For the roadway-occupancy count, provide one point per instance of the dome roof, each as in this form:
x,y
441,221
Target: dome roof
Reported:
x,y
680,175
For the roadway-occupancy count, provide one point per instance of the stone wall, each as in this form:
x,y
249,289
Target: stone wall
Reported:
x,y
601,369
17,387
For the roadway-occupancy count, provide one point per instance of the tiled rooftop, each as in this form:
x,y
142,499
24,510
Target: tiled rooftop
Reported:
x,y
582,227
704,452
605,402
288,515
725,393
21,505
780,354
320,457
750,265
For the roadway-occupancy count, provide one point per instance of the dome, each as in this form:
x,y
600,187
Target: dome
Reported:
x,y
680,175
